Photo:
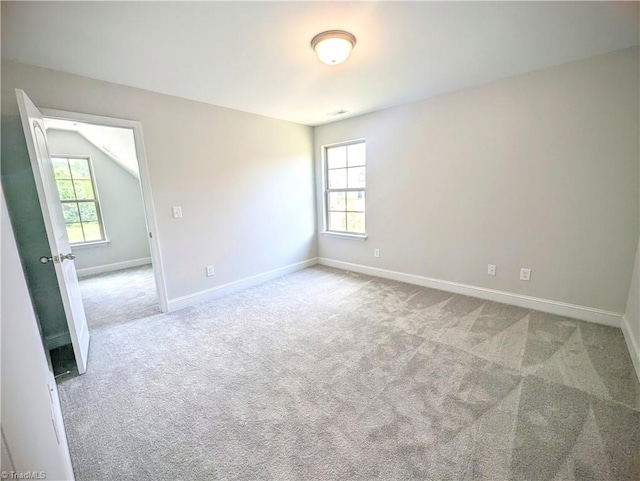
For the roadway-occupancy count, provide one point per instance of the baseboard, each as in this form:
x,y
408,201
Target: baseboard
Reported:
x,y
116,266
632,344
545,305
219,291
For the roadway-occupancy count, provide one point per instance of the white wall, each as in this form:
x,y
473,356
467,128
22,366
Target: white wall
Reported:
x,y
28,406
120,202
245,182
631,322
631,319
537,171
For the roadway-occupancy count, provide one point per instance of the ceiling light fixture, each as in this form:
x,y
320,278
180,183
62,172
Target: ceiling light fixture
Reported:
x,y
333,46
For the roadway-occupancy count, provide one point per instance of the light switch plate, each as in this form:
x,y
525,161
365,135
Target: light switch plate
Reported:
x,y
177,211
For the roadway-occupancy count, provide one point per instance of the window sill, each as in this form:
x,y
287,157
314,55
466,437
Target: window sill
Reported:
x,y
339,235
86,245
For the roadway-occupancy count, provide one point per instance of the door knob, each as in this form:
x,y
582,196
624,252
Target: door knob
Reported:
x,y
70,256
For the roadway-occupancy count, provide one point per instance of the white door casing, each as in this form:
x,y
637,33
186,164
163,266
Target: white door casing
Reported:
x,y
145,184
34,130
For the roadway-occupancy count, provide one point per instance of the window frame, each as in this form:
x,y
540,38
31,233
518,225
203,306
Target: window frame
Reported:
x,y
96,200
327,191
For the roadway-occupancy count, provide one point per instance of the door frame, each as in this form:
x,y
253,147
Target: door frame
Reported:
x,y
145,183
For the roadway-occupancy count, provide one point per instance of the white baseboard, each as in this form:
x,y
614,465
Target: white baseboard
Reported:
x,y
116,266
545,305
219,291
632,344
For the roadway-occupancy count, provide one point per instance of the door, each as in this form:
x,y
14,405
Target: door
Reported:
x,y
33,435
61,256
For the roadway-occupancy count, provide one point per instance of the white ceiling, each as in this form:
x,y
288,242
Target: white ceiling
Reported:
x,y
256,57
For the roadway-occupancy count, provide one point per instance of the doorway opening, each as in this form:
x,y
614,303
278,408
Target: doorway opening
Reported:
x,y
104,190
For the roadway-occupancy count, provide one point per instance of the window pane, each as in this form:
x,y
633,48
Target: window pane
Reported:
x,y
346,171
88,211
74,182
65,189
355,223
84,189
337,221
337,178
356,154
70,212
80,168
74,231
91,231
356,178
355,201
61,168
336,201
336,157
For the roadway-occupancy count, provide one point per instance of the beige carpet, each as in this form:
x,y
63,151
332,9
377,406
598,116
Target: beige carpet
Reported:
x,y
328,375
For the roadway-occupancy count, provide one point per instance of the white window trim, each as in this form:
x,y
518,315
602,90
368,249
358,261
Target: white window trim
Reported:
x,y
86,245
345,235
325,195
105,240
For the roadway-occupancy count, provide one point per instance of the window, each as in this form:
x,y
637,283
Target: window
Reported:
x,y
77,191
345,178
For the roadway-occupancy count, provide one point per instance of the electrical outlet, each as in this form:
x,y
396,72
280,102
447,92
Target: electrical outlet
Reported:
x,y
210,271
525,274
177,211
376,252
491,270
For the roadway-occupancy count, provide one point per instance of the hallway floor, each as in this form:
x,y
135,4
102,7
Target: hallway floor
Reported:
x,y
120,296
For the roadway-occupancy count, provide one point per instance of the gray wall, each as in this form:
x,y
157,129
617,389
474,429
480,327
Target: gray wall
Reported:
x,y
245,182
120,202
538,171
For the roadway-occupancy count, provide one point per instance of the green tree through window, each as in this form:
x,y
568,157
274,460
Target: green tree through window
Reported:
x,y
76,188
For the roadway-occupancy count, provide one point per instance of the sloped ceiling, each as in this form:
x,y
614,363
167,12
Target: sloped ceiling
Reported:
x,y
256,57
115,142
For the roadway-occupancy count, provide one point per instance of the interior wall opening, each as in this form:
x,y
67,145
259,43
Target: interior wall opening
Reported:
x,y
98,178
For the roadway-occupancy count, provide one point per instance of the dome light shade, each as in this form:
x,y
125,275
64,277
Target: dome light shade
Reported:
x,y
333,46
